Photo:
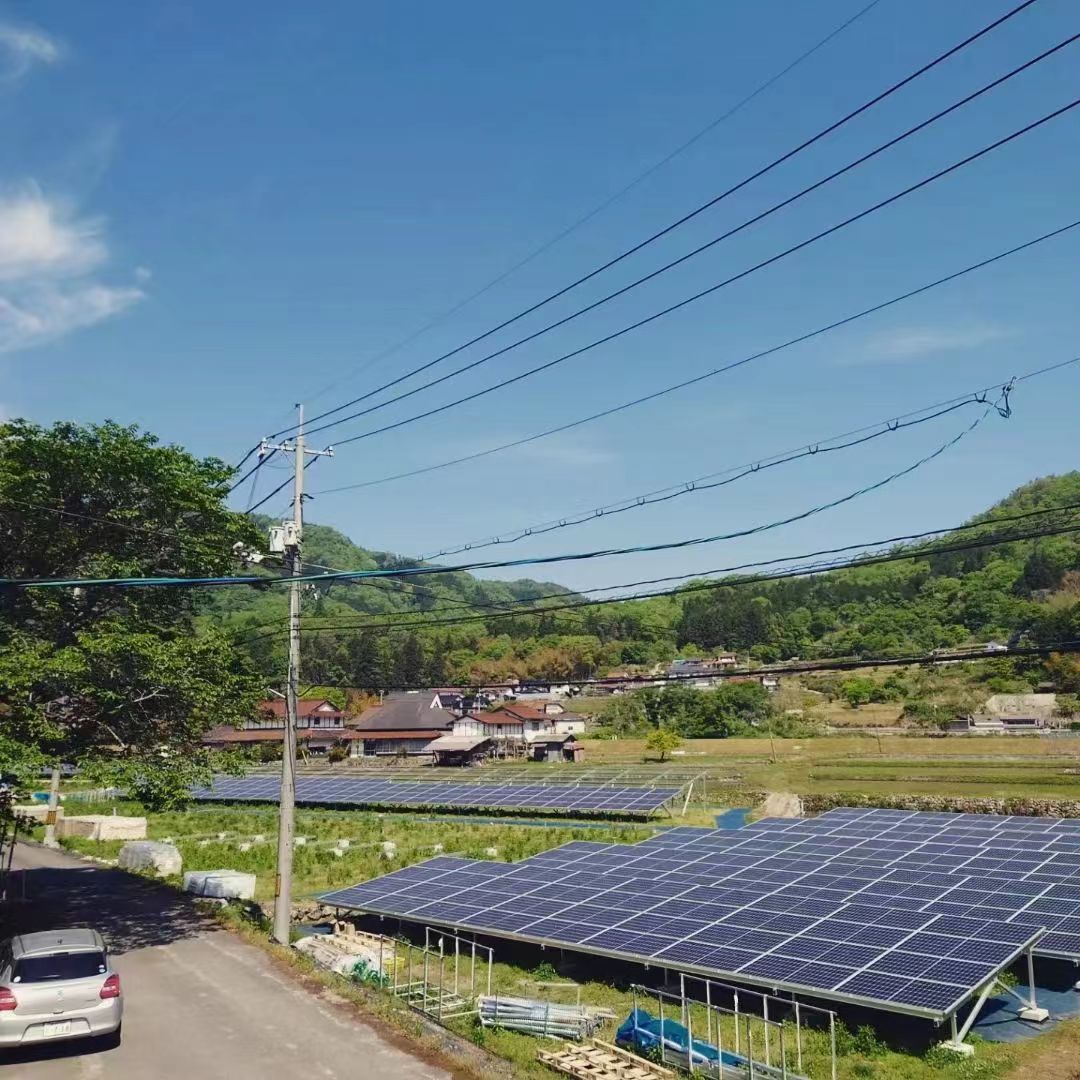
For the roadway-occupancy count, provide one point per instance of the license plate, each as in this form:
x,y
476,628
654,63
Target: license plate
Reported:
x,y
61,1027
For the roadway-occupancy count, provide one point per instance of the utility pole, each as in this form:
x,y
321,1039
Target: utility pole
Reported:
x,y
292,535
53,810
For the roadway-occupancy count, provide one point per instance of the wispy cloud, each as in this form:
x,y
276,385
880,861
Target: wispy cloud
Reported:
x,y
46,313
917,342
565,451
21,47
48,256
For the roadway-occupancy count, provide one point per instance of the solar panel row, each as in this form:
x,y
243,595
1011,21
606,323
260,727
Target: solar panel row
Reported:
x,y
319,791
727,904
1024,871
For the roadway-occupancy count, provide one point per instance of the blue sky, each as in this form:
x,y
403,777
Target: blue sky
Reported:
x,y
209,211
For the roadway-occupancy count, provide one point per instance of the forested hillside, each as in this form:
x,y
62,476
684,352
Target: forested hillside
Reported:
x,y
1027,588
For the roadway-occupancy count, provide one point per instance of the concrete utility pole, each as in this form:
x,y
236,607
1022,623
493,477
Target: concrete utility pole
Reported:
x,y
54,803
293,542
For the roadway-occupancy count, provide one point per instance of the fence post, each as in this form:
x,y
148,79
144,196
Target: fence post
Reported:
x,y
765,1017
736,997
749,1047
832,1041
783,1054
689,1038
425,987
798,1039
708,1013
442,961
663,1049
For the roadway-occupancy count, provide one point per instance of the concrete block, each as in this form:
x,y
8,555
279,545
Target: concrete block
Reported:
x,y
342,843
491,852
388,849
339,853
244,847
36,811
102,827
438,849
222,884
1034,1014
300,841
163,859
223,836
258,838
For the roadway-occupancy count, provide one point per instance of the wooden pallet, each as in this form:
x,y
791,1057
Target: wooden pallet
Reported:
x,y
598,1060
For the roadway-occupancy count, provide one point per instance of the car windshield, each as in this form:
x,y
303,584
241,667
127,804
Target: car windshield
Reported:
x,y
58,967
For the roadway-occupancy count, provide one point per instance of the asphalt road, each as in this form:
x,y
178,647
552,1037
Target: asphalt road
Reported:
x,y
199,1002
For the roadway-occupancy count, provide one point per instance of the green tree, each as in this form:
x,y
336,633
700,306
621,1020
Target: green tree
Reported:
x,y
409,667
663,741
117,681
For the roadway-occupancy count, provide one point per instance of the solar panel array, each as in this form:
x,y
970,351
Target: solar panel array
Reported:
x,y
831,920
1021,870
317,791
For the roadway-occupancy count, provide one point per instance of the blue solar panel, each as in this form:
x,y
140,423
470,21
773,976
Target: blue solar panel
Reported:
x,y
566,798
855,921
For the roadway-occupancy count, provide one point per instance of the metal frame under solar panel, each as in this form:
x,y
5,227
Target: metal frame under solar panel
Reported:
x,y
563,798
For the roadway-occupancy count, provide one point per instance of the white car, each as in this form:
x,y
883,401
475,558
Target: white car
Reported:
x,y
58,984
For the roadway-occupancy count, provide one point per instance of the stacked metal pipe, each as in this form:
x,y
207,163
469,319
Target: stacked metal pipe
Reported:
x,y
540,1017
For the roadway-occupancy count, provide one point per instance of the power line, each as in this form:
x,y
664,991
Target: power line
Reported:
x,y
1026,129
790,668
824,132
281,487
698,484
847,319
604,205
587,217
536,560
801,569
755,219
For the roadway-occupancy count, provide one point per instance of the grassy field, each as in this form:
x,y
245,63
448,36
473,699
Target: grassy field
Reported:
x,y
211,837
868,764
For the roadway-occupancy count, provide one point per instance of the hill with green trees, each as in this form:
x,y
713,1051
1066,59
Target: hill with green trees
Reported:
x,y
441,628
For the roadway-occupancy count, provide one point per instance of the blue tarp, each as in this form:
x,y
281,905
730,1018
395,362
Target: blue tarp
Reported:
x,y
732,819
641,1031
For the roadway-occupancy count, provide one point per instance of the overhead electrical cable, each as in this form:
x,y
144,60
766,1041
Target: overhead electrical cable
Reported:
x,y
701,248
801,569
847,319
281,487
599,208
789,668
699,484
533,561
824,132
614,335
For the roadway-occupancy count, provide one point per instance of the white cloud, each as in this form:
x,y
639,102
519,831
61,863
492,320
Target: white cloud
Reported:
x,y
914,343
47,258
22,47
47,313
43,238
